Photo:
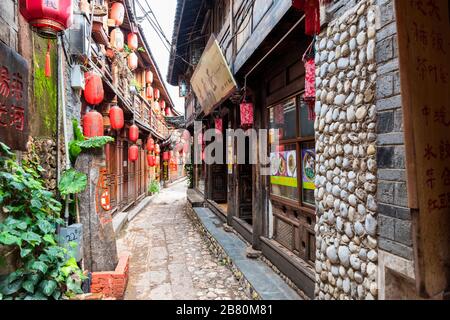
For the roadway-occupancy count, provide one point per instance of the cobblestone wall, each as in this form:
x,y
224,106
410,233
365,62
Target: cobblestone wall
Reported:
x,y
346,181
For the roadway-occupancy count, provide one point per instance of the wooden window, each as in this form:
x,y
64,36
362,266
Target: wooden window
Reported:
x,y
292,163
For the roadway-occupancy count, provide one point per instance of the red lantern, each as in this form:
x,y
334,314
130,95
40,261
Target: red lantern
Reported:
x,y
116,118
132,61
93,90
117,13
157,94
246,114
116,41
150,144
151,160
149,92
166,156
133,153
162,105
133,133
132,41
93,124
48,17
148,77
218,124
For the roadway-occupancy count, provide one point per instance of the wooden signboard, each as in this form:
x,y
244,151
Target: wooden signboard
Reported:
x,y
424,51
165,174
212,80
14,120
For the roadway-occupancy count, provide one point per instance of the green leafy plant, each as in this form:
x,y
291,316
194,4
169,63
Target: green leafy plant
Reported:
x,y
154,187
32,215
128,50
72,181
189,169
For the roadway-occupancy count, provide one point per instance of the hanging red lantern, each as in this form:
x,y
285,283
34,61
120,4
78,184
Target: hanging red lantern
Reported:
x,y
48,17
151,160
116,118
157,94
132,61
150,144
93,89
149,92
132,41
162,105
246,114
133,133
117,13
117,39
218,125
133,153
93,124
166,156
148,77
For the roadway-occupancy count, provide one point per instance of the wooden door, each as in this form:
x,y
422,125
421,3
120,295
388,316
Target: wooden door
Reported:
x,y
219,183
245,192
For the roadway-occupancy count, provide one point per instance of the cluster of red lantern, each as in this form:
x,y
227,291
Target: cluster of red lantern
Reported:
x,y
151,158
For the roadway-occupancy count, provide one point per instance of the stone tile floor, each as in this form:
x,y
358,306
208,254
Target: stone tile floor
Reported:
x,y
169,258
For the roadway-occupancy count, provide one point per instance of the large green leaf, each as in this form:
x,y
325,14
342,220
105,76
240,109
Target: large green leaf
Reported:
x,y
4,149
8,239
50,239
24,252
34,278
12,287
72,182
77,131
32,238
39,266
28,286
46,226
37,296
48,287
95,142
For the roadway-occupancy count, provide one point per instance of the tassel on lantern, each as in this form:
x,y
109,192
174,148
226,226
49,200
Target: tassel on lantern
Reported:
x,y
48,63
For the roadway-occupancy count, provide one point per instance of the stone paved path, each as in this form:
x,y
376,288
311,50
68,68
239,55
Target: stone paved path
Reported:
x,y
169,258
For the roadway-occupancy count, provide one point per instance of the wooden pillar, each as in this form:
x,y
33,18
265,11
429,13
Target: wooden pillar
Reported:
x,y
232,178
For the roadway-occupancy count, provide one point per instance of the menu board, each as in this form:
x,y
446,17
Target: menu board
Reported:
x,y
283,166
424,48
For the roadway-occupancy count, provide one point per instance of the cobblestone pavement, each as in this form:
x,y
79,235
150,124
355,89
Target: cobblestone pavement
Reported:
x,y
169,258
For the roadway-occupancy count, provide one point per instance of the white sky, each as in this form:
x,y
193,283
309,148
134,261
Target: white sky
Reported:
x,y
164,11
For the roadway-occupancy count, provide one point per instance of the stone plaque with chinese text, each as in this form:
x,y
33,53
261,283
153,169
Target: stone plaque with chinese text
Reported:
x,y
14,124
424,49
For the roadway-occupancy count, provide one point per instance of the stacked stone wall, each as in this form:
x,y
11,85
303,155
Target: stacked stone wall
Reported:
x,y
346,168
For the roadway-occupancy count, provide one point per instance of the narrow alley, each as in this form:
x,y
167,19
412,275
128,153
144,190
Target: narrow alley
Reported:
x,y
169,259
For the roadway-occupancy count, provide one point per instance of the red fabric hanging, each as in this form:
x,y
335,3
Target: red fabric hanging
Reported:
x,y
311,112
246,114
310,79
312,17
279,114
218,125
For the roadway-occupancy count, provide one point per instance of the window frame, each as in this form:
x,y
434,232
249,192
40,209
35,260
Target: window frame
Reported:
x,y
298,141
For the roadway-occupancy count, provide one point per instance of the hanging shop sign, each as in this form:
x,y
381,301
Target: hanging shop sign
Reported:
x,y
165,173
424,46
212,80
14,114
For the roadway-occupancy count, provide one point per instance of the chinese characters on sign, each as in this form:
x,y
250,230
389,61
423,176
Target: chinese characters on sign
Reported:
x,y
424,39
14,128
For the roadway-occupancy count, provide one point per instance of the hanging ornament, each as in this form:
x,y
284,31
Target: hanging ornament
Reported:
x,y
151,160
157,94
93,90
132,61
117,39
117,13
48,66
132,41
218,125
116,118
133,133
47,17
150,144
148,77
246,110
149,92
92,124
310,79
133,153
311,112
166,156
